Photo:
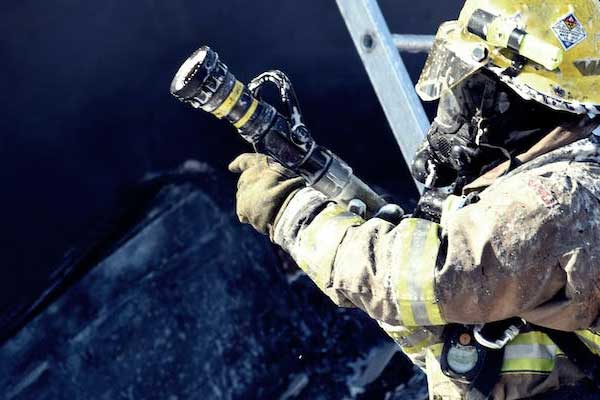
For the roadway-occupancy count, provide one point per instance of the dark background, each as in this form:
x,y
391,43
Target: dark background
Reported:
x,y
86,110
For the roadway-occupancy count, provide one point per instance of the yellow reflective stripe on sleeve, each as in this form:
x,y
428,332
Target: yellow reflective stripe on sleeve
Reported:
x,y
542,366
530,352
319,241
415,291
246,117
591,340
430,253
417,348
412,340
531,338
226,107
409,226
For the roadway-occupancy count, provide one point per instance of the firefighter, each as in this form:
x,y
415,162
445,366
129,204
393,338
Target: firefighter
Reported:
x,y
497,294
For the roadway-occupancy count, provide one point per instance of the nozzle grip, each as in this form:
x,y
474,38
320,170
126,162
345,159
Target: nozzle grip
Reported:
x,y
338,182
357,189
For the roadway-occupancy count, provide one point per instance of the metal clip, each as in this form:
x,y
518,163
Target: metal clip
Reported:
x,y
509,334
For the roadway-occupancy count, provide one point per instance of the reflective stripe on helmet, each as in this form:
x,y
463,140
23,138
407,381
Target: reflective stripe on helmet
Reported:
x,y
318,242
531,352
414,276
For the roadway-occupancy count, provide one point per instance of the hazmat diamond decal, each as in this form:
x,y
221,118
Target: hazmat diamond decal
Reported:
x,y
569,31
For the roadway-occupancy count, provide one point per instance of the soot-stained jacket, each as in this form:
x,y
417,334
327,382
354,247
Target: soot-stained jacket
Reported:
x,y
527,248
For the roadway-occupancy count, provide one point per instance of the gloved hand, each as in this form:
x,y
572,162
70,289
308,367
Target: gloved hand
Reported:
x,y
264,189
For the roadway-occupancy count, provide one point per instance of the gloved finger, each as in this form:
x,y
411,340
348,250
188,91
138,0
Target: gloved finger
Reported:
x,y
245,161
242,218
391,213
241,182
240,209
254,174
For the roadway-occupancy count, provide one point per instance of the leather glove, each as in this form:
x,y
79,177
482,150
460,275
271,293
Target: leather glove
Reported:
x,y
264,188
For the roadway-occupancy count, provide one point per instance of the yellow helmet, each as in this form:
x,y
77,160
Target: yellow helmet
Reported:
x,y
545,50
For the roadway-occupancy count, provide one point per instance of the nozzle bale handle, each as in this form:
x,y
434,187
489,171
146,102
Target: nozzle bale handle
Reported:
x,y
205,82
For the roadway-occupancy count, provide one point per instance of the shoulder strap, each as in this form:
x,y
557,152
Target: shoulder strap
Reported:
x,y
482,386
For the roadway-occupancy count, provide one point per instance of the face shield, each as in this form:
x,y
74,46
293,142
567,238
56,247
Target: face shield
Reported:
x,y
451,61
480,123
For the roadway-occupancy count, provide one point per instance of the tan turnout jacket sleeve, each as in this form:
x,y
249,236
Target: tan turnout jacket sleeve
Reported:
x,y
528,248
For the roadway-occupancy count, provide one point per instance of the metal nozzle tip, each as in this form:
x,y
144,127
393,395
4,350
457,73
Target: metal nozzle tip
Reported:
x,y
190,73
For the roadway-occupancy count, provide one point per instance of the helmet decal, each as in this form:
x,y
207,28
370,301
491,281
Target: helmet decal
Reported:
x,y
569,31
